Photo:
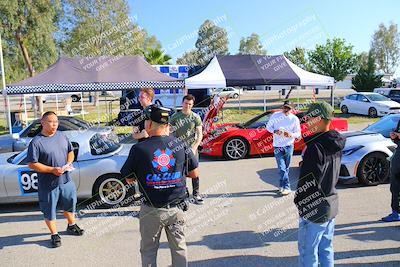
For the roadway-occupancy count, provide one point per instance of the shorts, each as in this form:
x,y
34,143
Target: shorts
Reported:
x,y
64,194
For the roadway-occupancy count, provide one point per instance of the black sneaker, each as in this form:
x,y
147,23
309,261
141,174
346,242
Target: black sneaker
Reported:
x,y
56,240
75,230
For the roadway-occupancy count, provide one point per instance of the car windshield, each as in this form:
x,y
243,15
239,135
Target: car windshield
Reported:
x,y
101,144
377,97
384,126
258,122
17,157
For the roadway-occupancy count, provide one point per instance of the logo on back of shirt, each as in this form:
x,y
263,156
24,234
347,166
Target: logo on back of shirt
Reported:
x,y
163,160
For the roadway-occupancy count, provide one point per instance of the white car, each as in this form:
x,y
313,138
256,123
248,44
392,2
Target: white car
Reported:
x,y
227,91
371,104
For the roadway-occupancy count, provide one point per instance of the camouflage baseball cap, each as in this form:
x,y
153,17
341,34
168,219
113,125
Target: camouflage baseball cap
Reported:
x,y
320,109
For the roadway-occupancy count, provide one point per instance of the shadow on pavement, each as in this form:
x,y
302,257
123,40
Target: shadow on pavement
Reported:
x,y
19,240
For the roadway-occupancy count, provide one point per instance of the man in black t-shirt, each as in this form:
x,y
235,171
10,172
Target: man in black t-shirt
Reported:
x,y
161,164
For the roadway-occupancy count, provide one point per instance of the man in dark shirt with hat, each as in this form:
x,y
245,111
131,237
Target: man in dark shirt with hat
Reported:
x,y
316,197
161,164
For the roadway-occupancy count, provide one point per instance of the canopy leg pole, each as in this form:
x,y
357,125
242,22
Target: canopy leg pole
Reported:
x,y
57,103
298,96
82,111
25,111
9,114
240,107
265,102
333,95
98,113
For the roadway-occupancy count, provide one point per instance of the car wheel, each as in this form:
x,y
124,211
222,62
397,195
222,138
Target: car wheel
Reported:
x,y
75,98
372,112
110,190
373,169
235,95
344,109
236,148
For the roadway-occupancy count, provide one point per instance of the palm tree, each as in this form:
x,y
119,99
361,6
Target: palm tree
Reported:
x,y
156,56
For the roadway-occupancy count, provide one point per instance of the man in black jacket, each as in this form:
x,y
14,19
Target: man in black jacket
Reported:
x,y
316,197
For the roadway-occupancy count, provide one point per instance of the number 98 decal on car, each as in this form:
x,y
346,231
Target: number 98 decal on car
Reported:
x,y
28,181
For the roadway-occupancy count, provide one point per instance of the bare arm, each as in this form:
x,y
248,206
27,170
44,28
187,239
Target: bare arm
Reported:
x,y
199,134
39,167
70,157
194,173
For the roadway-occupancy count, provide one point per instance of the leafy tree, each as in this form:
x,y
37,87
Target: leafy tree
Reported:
x,y
189,58
335,58
27,29
157,57
385,47
298,56
251,46
366,79
97,27
212,40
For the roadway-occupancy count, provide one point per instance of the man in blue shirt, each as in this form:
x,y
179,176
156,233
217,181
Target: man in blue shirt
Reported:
x,y
50,154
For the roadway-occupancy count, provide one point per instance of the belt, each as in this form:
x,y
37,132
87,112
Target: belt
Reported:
x,y
164,206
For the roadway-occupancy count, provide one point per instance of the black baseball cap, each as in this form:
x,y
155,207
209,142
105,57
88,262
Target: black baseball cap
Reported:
x,y
157,114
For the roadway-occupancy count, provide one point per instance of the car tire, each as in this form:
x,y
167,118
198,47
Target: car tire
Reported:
x,y
235,96
110,190
373,169
75,98
344,109
372,112
235,148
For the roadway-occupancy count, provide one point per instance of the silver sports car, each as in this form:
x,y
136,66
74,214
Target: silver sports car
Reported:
x,y
98,160
365,157
20,141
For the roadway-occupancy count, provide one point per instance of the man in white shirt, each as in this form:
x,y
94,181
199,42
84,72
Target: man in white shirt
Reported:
x,y
285,127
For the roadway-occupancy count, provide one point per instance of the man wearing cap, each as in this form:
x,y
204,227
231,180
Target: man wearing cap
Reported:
x,y
285,127
161,165
316,196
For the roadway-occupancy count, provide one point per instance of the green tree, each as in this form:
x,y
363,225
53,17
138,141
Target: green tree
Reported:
x,y
335,58
366,79
156,56
189,58
27,29
97,27
251,46
385,47
298,56
212,40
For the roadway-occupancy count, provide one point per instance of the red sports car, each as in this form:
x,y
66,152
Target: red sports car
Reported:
x,y
236,141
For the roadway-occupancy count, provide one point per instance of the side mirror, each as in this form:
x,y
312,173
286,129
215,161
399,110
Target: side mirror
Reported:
x,y
15,135
365,100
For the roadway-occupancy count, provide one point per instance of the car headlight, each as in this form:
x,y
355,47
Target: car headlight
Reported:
x,y
351,150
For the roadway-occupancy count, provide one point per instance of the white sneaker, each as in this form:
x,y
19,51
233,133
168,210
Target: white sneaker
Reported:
x,y
286,192
280,190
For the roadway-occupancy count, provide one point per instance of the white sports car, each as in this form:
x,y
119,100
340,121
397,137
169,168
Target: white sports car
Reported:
x,y
98,160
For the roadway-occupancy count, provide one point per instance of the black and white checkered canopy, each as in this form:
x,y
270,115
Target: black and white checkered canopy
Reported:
x,y
95,74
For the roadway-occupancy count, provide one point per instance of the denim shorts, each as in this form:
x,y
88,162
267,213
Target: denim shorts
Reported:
x,y
64,195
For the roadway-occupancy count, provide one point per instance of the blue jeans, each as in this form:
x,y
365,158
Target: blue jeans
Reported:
x,y
283,156
315,243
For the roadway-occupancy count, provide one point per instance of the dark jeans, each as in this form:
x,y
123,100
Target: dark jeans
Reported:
x,y
395,190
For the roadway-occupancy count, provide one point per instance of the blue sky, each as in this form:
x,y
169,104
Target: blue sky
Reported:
x,y
281,24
